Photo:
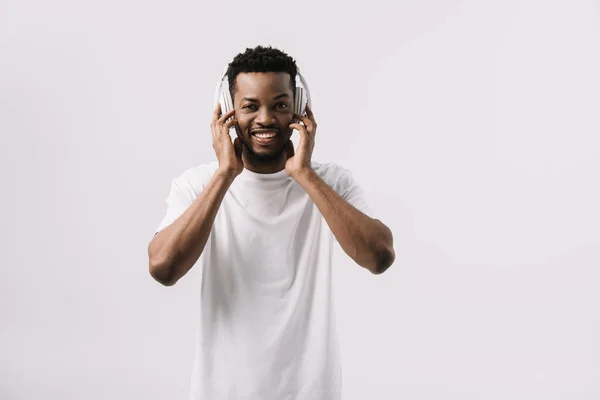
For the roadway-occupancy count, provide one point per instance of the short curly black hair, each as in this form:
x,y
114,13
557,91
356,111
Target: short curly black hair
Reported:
x,y
262,59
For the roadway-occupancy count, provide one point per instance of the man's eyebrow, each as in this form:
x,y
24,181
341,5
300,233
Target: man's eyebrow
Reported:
x,y
275,98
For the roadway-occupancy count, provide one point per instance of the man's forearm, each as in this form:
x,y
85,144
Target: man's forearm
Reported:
x,y
175,249
366,240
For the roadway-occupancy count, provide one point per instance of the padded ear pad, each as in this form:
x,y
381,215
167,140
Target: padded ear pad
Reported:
x,y
223,96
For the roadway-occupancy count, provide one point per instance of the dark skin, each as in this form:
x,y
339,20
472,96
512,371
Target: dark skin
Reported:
x,y
264,100
175,249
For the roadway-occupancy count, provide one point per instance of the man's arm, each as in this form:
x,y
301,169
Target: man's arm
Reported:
x,y
175,249
366,240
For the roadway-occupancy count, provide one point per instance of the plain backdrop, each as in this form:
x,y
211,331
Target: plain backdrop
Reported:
x,y
471,125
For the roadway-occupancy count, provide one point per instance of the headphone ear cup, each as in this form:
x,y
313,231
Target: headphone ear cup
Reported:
x,y
226,104
223,96
302,97
299,102
225,99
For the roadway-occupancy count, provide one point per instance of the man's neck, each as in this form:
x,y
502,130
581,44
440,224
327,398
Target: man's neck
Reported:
x,y
254,164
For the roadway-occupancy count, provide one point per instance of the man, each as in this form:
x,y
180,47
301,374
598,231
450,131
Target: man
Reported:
x,y
262,220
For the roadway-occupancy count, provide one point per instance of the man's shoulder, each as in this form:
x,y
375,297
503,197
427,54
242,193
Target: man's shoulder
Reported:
x,y
198,175
329,169
202,169
334,174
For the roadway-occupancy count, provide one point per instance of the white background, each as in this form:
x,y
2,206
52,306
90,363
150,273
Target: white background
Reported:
x,y
472,126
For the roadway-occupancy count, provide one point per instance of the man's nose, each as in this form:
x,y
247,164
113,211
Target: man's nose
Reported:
x,y
265,116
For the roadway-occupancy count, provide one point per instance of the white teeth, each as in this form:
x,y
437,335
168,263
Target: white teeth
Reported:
x,y
265,135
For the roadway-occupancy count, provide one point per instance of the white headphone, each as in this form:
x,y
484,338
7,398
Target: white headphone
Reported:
x,y
223,96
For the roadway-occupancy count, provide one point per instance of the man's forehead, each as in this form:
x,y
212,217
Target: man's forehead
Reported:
x,y
259,81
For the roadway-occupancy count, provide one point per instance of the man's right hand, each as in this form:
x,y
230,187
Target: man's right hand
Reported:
x,y
229,154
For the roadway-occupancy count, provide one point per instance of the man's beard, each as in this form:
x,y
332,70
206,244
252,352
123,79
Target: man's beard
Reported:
x,y
265,158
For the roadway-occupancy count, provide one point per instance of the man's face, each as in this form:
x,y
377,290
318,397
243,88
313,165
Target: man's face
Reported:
x,y
264,106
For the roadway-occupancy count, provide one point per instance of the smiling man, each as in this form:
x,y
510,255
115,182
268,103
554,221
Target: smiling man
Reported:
x,y
264,131
261,221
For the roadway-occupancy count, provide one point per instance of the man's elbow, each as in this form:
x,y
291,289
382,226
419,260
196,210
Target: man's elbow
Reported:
x,y
384,255
384,258
162,273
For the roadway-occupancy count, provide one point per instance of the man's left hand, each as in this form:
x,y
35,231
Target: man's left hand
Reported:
x,y
298,163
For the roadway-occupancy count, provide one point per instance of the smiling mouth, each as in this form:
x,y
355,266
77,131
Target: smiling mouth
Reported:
x,y
265,137
264,132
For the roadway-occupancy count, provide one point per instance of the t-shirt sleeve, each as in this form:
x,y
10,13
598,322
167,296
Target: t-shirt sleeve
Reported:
x,y
350,190
353,193
180,197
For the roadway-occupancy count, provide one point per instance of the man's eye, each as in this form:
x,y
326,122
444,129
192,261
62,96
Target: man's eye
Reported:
x,y
283,105
251,106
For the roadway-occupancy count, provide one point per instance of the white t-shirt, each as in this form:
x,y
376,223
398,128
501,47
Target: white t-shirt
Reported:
x,y
267,327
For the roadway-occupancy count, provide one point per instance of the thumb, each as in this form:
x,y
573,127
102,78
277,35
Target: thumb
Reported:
x,y
237,146
289,149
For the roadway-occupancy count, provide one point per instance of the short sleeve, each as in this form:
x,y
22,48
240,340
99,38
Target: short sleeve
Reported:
x,y
179,199
353,193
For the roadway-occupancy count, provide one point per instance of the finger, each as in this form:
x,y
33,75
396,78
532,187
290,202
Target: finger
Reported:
x,y
309,123
309,126
309,113
300,128
214,129
225,116
302,118
227,125
216,112
311,117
